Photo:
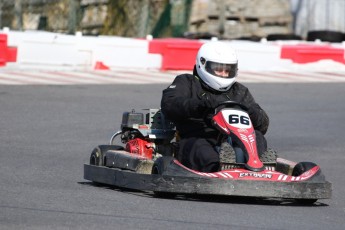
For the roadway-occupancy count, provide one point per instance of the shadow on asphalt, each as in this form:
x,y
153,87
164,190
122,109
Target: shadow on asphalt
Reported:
x,y
208,198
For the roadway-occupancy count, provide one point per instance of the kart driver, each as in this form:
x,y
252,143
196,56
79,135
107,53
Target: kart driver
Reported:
x,y
190,101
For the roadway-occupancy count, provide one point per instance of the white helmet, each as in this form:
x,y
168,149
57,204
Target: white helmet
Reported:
x,y
214,57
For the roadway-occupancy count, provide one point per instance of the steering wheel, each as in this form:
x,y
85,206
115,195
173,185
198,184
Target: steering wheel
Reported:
x,y
230,104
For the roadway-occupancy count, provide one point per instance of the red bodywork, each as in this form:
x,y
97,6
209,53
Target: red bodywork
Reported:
x,y
245,174
236,122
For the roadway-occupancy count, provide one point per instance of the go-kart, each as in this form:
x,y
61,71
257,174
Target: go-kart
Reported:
x,y
146,160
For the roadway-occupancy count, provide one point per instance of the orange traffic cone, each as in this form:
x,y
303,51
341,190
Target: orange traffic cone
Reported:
x,y
100,66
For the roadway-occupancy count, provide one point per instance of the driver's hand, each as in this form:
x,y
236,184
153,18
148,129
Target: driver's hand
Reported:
x,y
208,118
209,104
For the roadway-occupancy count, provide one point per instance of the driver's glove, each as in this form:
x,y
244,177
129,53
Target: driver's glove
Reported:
x,y
209,103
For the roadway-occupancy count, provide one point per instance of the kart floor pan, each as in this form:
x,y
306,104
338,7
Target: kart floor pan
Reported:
x,y
206,186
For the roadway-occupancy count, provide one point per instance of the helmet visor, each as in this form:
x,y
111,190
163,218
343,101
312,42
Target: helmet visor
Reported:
x,y
221,70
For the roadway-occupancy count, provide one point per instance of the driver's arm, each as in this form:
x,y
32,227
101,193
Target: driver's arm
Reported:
x,y
259,118
177,102
257,115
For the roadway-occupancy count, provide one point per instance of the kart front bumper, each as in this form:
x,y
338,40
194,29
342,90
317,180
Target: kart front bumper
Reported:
x,y
207,186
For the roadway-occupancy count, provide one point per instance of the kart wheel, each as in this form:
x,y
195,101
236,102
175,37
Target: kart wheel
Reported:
x,y
161,164
302,167
97,154
158,168
298,170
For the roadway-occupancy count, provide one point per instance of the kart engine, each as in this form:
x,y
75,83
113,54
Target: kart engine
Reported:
x,y
140,147
147,136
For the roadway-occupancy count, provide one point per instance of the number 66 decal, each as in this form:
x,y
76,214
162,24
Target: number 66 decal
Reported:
x,y
237,118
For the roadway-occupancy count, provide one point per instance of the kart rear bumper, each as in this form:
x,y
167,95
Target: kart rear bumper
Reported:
x,y
207,186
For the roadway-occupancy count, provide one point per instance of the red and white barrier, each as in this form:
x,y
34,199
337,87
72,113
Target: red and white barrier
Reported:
x,y
44,50
7,53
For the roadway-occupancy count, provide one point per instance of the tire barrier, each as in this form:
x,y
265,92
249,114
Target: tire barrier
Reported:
x,y
325,36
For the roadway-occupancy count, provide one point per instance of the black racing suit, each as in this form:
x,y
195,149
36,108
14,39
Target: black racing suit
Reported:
x,y
182,104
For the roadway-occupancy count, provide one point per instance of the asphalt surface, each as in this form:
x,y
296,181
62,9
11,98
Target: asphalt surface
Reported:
x,y
48,132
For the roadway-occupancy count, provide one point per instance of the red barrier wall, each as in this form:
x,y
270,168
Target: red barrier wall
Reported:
x,y
7,54
3,49
177,54
312,53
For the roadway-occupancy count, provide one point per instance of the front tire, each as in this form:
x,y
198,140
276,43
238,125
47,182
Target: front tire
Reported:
x,y
302,167
298,170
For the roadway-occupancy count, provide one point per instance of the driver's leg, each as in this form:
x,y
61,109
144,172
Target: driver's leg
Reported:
x,y
199,154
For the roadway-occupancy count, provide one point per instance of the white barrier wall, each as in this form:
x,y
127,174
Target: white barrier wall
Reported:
x,y
255,56
125,52
44,50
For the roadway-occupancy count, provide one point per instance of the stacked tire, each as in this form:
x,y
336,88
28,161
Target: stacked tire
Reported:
x,y
326,36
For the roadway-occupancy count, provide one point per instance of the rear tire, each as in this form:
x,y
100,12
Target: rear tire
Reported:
x,y
161,164
98,153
